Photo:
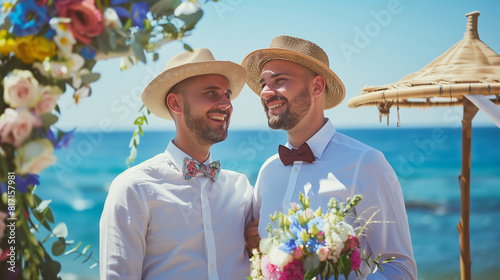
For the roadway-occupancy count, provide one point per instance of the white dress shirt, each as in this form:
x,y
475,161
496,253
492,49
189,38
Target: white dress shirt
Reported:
x,y
156,225
342,168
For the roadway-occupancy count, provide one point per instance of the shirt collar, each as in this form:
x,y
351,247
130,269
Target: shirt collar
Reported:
x,y
320,140
177,155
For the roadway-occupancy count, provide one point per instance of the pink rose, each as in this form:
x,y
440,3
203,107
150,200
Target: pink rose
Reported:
x,y
50,95
20,89
86,20
34,156
351,243
355,260
323,253
16,125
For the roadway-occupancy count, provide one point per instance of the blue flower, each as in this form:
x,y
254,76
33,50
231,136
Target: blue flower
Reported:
x,y
63,139
3,187
119,2
88,52
139,12
288,246
27,18
319,222
50,34
22,183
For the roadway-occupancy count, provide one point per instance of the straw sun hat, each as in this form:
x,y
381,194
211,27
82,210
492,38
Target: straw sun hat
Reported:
x,y
302,52
186,65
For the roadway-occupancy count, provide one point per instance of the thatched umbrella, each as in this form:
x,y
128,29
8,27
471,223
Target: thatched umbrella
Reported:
x,y
468,74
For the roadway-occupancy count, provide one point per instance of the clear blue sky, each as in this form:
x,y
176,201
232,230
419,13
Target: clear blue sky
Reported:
x,y
400,37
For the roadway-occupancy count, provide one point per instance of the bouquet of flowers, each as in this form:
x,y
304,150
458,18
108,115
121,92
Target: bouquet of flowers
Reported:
x,y
307,244
48,48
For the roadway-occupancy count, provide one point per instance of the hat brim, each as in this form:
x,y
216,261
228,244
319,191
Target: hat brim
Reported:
x,y
156,91
254,62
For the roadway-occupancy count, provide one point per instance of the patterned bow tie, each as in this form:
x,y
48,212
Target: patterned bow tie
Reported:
x,y
303,153
190,168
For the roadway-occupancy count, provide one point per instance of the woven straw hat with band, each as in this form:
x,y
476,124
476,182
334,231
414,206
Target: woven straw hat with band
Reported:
x,y
186,65
302,52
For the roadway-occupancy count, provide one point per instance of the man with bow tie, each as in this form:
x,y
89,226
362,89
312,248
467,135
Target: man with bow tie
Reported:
x,y
178,215
295,84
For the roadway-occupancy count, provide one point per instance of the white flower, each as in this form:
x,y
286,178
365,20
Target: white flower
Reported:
x,y
35,156
64,39
126,63
81,93
77,79
20,89
187,8
335,244
344,230
279,258
111,19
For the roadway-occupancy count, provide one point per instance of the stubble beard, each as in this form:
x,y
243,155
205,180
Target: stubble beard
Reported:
x,y
288,120
199,126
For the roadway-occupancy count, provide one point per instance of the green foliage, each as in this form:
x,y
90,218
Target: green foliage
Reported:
x,y
136,136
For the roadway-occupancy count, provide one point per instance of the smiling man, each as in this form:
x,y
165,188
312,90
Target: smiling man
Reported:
x,y
295,84
178,215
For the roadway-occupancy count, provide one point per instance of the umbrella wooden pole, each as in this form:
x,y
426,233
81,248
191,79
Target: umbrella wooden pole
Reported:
x,y
470,111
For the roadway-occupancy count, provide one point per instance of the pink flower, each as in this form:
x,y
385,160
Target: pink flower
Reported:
x,y
322,253
355,260
351,243
294,206
86,20
50,95
20,89
269,270
293,271
16,125
297,253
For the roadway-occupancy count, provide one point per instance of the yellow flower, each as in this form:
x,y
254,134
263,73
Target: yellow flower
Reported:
x,y
6,46
31,48
43,48
23,49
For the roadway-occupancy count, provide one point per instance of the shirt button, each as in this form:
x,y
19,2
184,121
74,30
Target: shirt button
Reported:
x,y
295,169
212,266
208,227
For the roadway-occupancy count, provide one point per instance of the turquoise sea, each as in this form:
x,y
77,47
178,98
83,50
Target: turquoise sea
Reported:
x,y
427,161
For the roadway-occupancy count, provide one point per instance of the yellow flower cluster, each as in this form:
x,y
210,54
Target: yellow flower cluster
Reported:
x,y
28,49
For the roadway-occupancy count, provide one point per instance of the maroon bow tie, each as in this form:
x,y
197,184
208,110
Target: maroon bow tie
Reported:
x,y
303,153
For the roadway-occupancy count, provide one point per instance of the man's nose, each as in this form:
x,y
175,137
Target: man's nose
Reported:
x,y
266,92
224,103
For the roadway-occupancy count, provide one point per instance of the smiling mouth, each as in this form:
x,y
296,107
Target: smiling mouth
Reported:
x,y
217,118
270,107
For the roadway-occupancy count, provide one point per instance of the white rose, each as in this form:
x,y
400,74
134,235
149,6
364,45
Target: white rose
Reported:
x,y
20,89
35,156
279,258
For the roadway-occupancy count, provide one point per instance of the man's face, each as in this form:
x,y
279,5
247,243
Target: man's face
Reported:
x,y
284,93
207,108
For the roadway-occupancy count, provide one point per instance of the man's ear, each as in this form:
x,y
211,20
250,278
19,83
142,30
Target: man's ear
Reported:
x,y
174,103
318,84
